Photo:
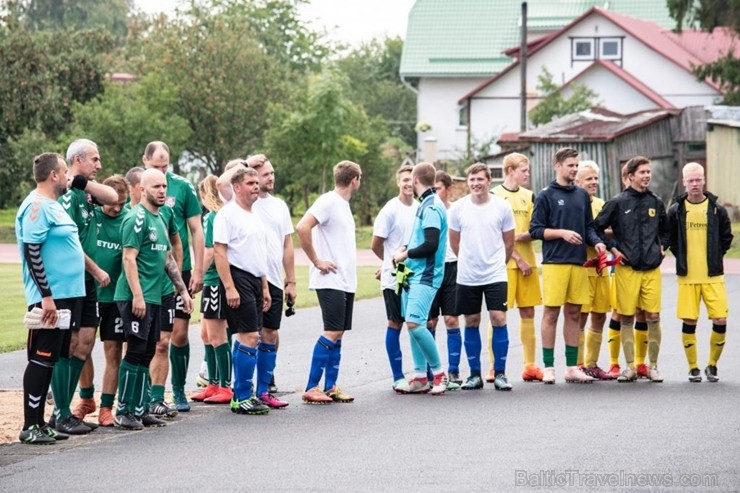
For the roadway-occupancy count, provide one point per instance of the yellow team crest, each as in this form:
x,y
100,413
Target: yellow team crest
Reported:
x,y
651,212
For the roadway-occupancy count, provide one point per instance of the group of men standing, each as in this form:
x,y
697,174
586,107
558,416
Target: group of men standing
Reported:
x,y
126,267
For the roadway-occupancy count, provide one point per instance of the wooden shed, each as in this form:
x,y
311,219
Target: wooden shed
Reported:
x,y
723,157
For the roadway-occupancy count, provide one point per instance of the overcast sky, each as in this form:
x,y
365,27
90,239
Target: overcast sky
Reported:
x,y
349,21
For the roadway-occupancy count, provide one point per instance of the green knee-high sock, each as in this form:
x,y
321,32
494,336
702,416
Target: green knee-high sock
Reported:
x,y
60,388
157,394
127,374
75,368
142,390
210,357
223,363
179,359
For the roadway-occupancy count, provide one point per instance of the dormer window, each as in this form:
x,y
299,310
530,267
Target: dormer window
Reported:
x,y
611,49
596,48
583,49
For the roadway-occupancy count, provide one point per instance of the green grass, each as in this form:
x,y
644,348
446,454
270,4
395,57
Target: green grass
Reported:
x,y
7,225
734,251
13,302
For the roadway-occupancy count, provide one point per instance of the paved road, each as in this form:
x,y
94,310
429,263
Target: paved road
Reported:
x,y
624,437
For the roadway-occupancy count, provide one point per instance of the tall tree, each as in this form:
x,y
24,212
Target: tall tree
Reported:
x,y
708,15
62,15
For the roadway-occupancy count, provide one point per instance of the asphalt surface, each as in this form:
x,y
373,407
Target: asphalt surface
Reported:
x,y
643,436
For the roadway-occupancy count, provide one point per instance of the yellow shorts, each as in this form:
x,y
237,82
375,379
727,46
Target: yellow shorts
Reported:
x,y
599,295
713,294
637,288
564,283
524,290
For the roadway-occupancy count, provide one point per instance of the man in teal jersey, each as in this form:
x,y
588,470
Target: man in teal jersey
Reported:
x,y
183,200
138,296
424,257
83,160
109,219
53,266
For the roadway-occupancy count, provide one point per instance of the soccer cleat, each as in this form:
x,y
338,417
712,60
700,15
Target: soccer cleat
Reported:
x,y
202,380
223,395
532,374
474,382
337,395
574,374
181,402
439,384
695,375
51,432
72,426
453,386
204,394
150,421
84,407
127,421
501,382
654,375
105,416
711,372
251,405
316,396
642,371
35,436
628,375
272,388
161,409
401,386
455,378
598,374
419,385
548,375
490,376
271,401
614,371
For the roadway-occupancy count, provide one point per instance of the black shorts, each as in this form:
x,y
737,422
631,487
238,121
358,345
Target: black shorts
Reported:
x,y
167,317
336,309
90,316
212,302
392,306
271,318
46,346
111,323
248,316
445,301
141,328
469,297
179,303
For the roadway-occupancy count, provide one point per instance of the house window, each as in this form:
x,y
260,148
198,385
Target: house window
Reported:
x,y
583,49
611,49
462,116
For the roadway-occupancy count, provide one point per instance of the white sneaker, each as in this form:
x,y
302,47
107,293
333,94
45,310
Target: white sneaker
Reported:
x,y
654,375
439,384
548,375
573,374
401,386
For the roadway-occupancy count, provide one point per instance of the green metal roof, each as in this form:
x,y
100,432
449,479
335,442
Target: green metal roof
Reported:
x,y
467,37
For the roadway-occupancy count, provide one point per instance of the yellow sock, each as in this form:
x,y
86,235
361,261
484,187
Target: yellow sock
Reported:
x,y
641,339
689,347
529,340
615,344
593,347
489,346
654,337
628,344
581,340
716,345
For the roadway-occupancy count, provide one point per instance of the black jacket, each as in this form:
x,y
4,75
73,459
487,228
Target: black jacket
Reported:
x,y
640,225
719,234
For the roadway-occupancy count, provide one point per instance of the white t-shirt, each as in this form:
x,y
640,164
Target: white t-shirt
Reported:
x,y
275,216
482,253
394,223
244,235
449,253
334,241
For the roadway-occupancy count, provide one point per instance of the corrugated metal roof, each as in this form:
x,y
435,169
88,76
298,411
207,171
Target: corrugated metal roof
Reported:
x,y
468,37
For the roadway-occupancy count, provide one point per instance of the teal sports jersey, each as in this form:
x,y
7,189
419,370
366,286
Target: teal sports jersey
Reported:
x,y
43,221
167,215
210,277
431,213
183,200
109,255
146,233
80,207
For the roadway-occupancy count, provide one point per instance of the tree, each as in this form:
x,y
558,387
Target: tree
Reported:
x,y
553,105
76,15
710,14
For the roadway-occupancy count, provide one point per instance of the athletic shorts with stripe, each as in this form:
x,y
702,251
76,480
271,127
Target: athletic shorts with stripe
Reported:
x,y
46,346
212,302
111,323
